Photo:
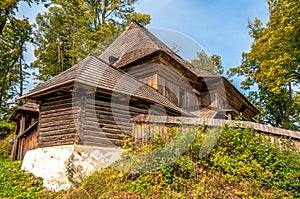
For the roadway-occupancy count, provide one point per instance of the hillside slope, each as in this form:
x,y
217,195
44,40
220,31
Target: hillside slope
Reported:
x,y
229,163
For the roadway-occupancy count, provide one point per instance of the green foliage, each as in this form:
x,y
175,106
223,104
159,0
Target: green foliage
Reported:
x,y
6,128
15,183
242,164
212,63
158,153
6,146
8,10
244,154
74,173
14,35
70,30
273,65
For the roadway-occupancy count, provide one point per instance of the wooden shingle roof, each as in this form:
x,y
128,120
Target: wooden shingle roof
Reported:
x,y
137,42
28,107
205,112
95,73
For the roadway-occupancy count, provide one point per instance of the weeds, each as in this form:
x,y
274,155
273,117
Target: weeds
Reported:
x,y
236,163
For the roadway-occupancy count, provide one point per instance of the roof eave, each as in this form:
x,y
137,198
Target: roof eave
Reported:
x,y
33,96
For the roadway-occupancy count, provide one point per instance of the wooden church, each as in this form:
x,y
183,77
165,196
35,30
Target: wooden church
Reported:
x,y
93,102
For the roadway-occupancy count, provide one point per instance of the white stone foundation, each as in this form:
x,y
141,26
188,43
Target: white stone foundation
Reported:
x,y
56,165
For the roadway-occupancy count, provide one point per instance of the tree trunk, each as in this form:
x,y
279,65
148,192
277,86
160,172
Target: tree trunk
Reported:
x,y
21,74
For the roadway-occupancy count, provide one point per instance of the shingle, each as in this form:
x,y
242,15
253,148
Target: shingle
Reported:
x,y
28,107
97,74
205,112
137,42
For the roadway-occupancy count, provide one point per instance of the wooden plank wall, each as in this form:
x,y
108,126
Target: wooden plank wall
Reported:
x,y
168,81
57,121
89,119
175,87
27,143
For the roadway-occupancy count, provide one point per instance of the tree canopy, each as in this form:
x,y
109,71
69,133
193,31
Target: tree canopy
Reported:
x,y
70,30
211,64
66,33
271,68
14,35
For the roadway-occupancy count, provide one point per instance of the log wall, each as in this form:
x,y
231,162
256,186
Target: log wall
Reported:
x,y
57,124
90,119
108,121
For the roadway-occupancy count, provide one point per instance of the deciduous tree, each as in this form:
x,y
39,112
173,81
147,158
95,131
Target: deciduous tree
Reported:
x,y
273,65
70,30
14,34
212,63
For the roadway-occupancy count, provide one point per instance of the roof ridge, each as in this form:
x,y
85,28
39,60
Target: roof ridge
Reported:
x,y
134,24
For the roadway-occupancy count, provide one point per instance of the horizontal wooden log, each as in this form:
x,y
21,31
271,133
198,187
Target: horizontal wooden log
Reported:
x,y
119,118
59,118
103,135
101,141
106,125
57,127
107,112
104,122
58,138
61,110
54,107
48,123
115,106
60,101
106,130
59,113
56,143
59,132
56,97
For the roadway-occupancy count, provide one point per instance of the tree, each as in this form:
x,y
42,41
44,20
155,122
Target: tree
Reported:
x,y
70,30
12,66
14,34
273,65
212,63
8,8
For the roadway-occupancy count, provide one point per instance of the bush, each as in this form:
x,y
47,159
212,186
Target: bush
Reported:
x,y
238,163
6,128
219,163
245,154
6,146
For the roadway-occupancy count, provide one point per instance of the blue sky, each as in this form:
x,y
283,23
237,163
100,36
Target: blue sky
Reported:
x,y
217,26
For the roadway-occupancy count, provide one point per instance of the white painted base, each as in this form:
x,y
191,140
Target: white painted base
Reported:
x,y
56,164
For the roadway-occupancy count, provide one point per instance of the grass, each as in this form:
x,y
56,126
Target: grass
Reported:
x,y
243,164
15,183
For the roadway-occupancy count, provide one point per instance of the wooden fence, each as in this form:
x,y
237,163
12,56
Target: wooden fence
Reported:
x,y
139,125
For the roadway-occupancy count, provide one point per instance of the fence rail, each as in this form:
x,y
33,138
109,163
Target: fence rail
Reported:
x,y
161,120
